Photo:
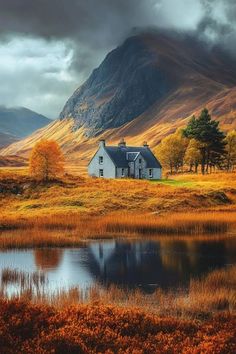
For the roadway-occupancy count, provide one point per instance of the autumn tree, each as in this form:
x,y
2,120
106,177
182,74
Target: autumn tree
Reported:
x,y
171,151
230,149
46,160
192,155
206,131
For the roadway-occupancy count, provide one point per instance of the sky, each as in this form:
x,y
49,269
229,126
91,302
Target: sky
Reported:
x,y
48,48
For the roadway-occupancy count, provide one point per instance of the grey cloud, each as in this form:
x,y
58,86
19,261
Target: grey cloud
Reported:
x,y
91,28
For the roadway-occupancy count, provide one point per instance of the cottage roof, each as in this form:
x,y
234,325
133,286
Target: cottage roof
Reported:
x,y
119,155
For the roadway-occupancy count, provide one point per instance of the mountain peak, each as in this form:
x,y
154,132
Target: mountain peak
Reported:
x,y
141,72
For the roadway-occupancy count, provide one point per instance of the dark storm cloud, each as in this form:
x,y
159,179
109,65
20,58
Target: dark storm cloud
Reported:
x,y
88,29
103,20
73,18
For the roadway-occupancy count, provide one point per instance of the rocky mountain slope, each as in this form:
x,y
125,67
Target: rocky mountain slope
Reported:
x,y
143,90
17,123
143,71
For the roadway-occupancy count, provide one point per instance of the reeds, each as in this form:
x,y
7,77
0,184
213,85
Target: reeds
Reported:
x,y
24,279
23,285
74,230
175,224
216,292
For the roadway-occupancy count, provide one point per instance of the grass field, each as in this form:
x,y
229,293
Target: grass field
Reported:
x,y
68,211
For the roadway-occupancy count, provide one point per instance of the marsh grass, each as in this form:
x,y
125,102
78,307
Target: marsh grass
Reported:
x,y
74,230
214,293
177,224
14,276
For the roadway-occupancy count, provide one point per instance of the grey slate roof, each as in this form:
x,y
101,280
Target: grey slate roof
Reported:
x,y
119,155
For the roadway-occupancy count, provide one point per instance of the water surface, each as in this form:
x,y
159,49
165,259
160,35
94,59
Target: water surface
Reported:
x,y
147,264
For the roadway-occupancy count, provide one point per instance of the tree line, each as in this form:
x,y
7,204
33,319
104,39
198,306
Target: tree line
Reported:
x,y
201,145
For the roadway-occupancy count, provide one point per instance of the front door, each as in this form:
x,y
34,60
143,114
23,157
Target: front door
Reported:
x,y
140,173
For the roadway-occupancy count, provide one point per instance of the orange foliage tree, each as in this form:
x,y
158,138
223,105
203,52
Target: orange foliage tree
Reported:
x,y
46,160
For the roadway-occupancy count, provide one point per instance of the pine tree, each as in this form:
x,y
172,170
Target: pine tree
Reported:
x,y
206,131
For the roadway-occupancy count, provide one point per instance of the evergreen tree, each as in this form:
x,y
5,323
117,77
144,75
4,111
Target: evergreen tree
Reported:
x,y
212,141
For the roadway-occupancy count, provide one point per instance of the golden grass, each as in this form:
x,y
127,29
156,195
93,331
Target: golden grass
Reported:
x,y
177,224
74,229
22,197
66,212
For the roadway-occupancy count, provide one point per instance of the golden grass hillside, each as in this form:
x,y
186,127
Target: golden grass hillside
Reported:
x,y
64,212
22,197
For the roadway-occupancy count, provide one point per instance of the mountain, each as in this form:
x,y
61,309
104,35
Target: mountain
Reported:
x,y
6,139
17,123
142,72
143,90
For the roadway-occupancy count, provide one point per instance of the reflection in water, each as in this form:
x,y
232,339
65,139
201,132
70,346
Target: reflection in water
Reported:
x,y
48,258
145,264
152,264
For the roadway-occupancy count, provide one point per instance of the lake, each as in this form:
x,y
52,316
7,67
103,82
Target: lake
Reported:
x,y
144,264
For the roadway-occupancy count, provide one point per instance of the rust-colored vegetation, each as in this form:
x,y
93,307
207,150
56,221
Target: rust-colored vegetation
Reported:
x,y
200,320
27,328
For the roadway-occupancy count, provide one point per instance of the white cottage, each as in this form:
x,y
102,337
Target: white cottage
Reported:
x,y
124,161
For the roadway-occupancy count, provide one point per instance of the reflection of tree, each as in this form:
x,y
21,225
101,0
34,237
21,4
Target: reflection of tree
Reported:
x,y
47,258
192,256
174,255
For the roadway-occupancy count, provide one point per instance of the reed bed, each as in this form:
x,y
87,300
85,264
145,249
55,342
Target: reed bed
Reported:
x,y
74,229
205,297
177,224
209,295
14,276
22,284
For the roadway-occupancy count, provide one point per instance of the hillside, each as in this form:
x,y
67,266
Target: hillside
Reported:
x,y
143,90
17,123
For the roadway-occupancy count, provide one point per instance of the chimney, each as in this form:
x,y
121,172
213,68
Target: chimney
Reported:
x,y
122,143
102,143
145,144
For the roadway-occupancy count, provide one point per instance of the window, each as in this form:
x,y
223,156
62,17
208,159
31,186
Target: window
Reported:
x,y
100,173
122,172
140,160
150,173
100,160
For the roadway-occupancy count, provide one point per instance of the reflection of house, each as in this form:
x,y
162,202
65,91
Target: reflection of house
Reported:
x,y
150,264
124,161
